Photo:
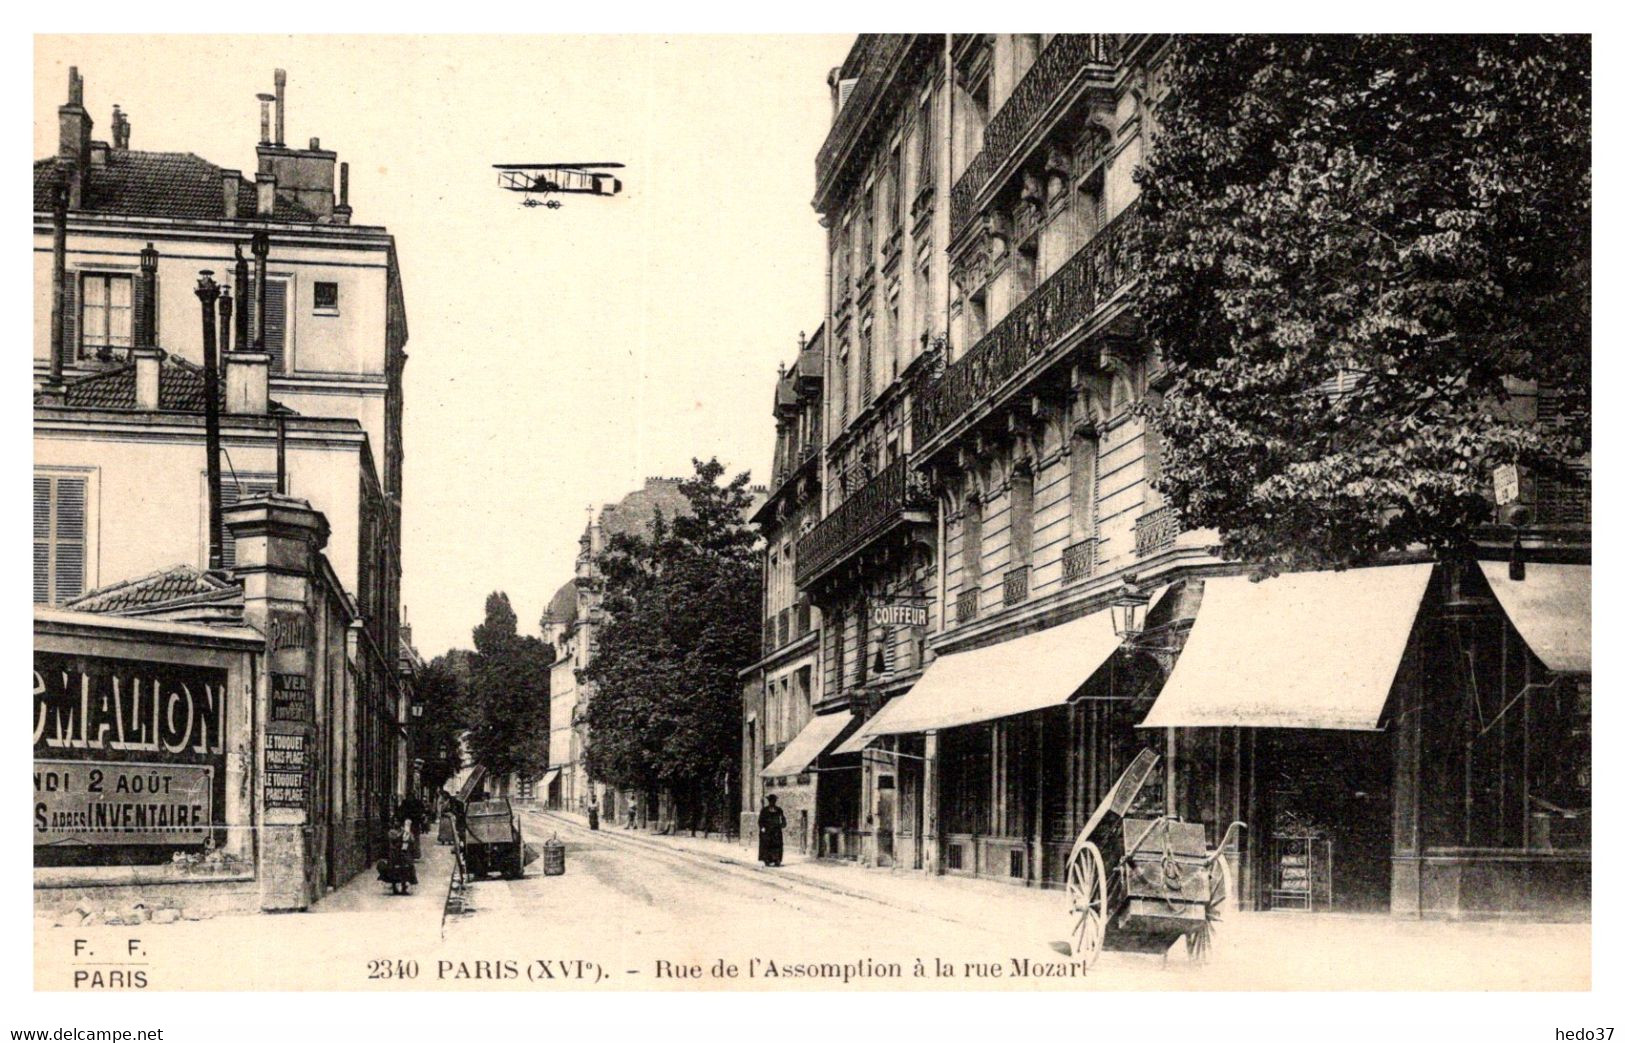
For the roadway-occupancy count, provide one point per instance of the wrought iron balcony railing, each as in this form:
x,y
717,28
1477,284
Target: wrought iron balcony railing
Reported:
x,y
1068,57
866,515
1059,305
1155,530
1078,561
1015,584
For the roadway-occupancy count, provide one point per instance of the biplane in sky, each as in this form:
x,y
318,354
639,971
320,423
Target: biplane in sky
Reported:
x,y
539,180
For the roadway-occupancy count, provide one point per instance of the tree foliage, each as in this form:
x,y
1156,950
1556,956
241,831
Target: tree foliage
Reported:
x,y
1409,212
508,694
682,607
445,714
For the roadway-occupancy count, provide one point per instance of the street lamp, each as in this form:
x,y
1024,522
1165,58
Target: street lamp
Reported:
x,y
1128,610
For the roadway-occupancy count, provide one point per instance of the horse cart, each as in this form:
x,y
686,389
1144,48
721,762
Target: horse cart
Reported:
x,y
492,842
1137,882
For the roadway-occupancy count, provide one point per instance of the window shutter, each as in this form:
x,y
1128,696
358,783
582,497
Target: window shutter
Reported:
x,y
233,492
69,578
42,540
276,321
70,316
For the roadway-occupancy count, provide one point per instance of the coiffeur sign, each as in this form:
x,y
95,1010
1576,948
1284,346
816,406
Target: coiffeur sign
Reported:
x,y
125,751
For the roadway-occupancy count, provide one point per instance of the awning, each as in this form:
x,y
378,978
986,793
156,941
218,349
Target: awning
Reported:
x,y
1032,672
808,744
1304,650
547,779
463,784
1551,607
867,732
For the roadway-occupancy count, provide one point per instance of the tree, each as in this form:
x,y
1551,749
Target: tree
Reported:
x,y
1352,247
445,711
681,612
508,694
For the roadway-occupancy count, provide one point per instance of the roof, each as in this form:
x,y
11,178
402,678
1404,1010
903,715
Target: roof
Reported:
x,y
159,184
180,389
635,514
562,609
179,587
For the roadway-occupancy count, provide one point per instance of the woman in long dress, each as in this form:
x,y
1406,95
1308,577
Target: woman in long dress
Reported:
x,y
770,833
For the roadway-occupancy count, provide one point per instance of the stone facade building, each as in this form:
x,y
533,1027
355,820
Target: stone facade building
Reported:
x,y
779,689
986,459
310,331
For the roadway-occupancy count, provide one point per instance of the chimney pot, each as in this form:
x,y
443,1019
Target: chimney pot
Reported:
x,y
247,382
281,102
265,101
148,366
315,144
76,86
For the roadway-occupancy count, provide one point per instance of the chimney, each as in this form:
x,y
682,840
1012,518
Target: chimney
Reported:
x,y
121,130
229,180
265,198
73,147
265,101
98,153
341,213
148,363
146,333
281,102
247,382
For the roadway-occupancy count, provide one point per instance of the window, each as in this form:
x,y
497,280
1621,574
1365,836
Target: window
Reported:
x,y
234,492
1021,518
922,170
327,296
59,539
971,545
106,313
276,322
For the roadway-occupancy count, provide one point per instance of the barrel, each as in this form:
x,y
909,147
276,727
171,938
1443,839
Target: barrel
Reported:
x,y
553,856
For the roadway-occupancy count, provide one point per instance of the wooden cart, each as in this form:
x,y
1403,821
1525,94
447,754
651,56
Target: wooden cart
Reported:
x,y
493,843
1140,883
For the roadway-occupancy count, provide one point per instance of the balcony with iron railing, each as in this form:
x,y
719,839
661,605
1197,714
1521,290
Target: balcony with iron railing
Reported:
x,y
891,498
1078,561
966,604
1015,584
1156,530
1070,62
1059,306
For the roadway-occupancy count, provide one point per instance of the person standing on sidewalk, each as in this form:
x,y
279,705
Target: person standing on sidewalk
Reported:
x,y
631,812
770,833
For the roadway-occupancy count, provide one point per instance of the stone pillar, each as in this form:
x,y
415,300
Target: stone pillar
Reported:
x,y
929,839
279,542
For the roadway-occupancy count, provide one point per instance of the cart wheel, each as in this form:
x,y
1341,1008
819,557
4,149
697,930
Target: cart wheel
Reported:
x,y
1199,943
1086,900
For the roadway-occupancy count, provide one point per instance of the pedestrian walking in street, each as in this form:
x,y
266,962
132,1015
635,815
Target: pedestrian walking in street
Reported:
x,y
770,833
413,816
631,812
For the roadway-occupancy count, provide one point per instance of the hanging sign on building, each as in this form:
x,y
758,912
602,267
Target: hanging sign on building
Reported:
x,y
95,803
285,771
896,614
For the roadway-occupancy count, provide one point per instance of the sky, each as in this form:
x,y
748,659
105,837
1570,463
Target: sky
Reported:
x,y
556,357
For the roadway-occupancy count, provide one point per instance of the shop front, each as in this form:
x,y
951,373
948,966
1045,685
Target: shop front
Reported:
x,y
1410,739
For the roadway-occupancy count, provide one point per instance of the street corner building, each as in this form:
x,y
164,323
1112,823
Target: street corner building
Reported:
x,y
979,609
221,681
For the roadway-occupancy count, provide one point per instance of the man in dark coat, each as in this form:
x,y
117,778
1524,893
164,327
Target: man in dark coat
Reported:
x,y
770,833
